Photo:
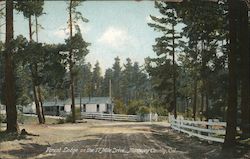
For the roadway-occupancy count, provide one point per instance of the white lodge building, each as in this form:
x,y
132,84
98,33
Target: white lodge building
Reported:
x,y
59,107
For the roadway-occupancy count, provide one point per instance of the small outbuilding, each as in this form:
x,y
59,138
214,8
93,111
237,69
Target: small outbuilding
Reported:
x,y
85,104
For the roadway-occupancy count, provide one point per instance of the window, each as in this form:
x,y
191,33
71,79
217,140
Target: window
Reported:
x,y
97,107
84,107
62,108
108,108
47,109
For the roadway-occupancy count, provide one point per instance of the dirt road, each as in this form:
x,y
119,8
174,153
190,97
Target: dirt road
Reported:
x,y
106,140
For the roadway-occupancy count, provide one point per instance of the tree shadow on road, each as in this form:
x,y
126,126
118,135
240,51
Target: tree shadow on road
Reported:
x,y
4,136
27,150
142,136
197,148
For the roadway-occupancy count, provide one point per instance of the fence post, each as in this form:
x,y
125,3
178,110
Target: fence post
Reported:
x,y
209,126
178,123
181,121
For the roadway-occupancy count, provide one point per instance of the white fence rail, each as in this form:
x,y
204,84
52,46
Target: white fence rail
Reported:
x,y
213,130
120,117
115,117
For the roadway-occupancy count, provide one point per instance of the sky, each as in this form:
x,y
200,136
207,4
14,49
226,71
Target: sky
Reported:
x,y
115,28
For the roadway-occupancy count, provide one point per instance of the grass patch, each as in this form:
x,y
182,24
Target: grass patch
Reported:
x,y
246,141
10,136
34,120
61,121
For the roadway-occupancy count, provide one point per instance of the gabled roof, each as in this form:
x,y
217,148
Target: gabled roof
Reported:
x,y
84,100
92,100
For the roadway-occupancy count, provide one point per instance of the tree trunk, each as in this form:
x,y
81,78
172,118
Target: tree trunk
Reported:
x,y
207,107
34,76
174,75
245,76
71,64
230,141
10,92
202,105
41,103
36,29
38,110
195,99
39,87
187,103
249,66
30,28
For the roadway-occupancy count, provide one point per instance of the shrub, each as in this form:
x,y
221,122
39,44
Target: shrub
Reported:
x,y
119,107
1,118
68,118
134,107
78,114
61,121
144,110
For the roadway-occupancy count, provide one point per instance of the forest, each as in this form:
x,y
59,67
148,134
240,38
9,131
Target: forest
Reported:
x,y
201,69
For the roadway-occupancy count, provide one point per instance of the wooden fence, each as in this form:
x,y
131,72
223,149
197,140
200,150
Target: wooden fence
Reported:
x,y
120,117
211,130
115,117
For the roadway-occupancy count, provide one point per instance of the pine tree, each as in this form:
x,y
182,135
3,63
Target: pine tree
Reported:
x,y
97,80
117,78
10,100
245,67
204,30
33,8
74,16
166,45
106,82
230,140
127,81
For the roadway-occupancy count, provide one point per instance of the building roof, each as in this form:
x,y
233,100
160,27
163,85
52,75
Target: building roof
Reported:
x,y
93,100
84,100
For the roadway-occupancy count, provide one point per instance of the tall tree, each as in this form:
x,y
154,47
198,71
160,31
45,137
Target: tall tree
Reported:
x,y
39,12
106,82
74,16
245,68
54,72
87,80
10,101
33,8
2,73
116,78
204,30
232,94
97,80
167,44
127,82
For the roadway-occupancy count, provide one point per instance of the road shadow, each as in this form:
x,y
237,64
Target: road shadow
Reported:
x,y
27,150
12,136
171,143
197,148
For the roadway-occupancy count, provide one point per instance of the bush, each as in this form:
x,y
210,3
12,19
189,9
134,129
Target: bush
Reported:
x,y
134,107
61,121
78,114
68,118
1,118
144,110
119,107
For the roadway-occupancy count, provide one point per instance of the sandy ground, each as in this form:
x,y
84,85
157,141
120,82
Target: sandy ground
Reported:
x,y
106,140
